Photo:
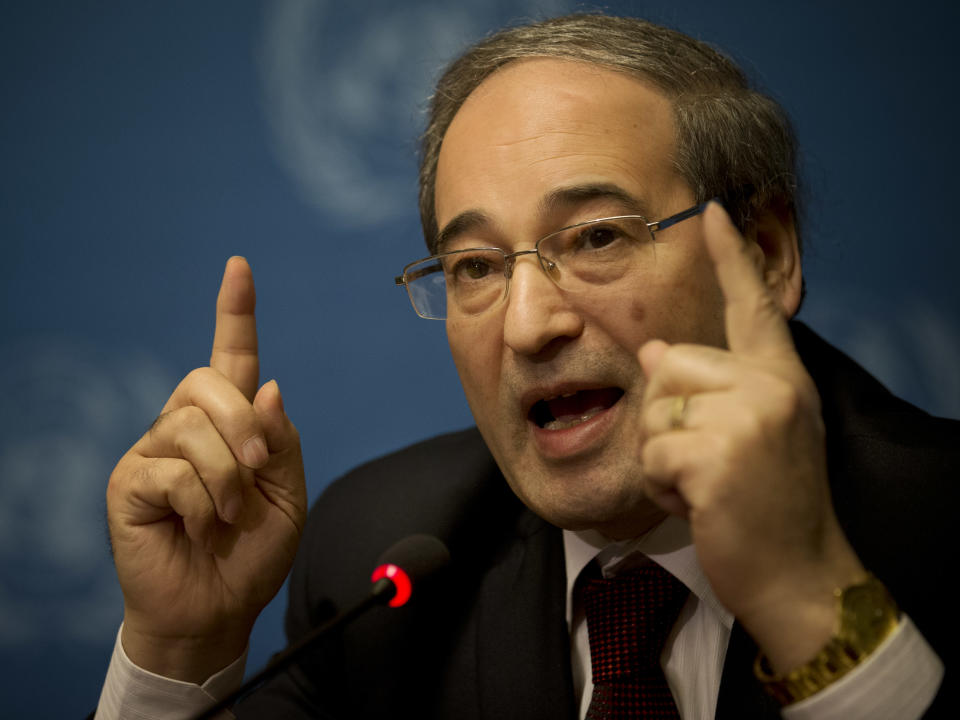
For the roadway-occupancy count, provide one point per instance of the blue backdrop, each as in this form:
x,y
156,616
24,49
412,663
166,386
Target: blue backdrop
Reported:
x,y
141,144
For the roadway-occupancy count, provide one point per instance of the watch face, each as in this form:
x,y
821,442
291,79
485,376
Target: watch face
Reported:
x,y
868,616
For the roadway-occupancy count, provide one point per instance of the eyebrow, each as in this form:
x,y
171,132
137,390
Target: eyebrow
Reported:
x,y
460,224
559,199
566,197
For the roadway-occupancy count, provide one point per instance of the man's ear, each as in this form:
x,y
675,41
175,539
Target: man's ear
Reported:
x,y
775,233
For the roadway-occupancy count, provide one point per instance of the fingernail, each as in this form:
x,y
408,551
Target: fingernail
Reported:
x,y
722,210
276,387
232,509
253,453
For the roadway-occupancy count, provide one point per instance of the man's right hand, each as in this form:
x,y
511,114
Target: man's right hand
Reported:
x,y
206,509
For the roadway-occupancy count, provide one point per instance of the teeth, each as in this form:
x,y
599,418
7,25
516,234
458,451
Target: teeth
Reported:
x,y
569,422
561,396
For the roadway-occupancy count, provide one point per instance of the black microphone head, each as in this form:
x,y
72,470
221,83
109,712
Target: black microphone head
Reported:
x,y
409,562
419,555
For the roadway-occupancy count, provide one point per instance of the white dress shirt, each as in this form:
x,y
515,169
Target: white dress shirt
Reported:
x,y
897,682
130,692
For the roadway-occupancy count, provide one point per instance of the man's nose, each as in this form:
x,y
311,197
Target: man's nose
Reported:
x,y
537,312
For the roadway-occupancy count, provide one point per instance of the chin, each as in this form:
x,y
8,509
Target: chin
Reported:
x,y
612,511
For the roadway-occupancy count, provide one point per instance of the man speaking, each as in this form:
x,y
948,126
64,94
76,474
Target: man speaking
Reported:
x,y
677,502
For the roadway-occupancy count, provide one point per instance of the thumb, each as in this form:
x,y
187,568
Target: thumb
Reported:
x,y
650,356
279,432
281,480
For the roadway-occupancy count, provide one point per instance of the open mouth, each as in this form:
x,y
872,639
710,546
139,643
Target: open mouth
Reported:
x,y
567,411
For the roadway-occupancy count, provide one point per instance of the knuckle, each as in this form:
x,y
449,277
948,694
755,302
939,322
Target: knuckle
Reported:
x,y
145,473
193,381
131,473
191,418
176,475
198,375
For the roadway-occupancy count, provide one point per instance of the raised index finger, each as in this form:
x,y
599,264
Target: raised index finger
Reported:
x,y
235,338
754,321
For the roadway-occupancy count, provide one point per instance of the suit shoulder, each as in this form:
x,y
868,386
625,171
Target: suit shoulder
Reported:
x,y
439,454
857,407
432,468
437,487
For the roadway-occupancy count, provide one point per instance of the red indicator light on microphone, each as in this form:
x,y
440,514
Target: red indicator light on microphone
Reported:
x,y
400,580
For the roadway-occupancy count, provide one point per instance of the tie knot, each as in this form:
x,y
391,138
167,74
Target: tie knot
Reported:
x,y
628,620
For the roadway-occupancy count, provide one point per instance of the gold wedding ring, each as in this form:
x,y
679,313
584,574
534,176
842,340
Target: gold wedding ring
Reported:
x,y
678,412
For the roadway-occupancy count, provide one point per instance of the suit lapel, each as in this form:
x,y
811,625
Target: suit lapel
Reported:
x,y
523,652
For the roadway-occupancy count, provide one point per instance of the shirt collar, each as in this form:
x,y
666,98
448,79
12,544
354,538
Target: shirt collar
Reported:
x,y
669,544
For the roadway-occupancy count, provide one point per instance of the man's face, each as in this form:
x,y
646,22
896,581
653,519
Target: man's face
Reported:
x,y
553,378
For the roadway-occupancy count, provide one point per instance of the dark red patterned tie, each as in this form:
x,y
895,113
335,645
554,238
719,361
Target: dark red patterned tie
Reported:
x,y
628,620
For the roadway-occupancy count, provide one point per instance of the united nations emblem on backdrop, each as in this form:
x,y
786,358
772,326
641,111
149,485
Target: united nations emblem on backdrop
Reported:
x,y
69,412
345,86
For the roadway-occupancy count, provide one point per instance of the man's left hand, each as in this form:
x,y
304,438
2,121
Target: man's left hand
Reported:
x,y
745,462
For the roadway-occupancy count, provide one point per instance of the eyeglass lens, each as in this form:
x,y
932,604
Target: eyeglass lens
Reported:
x,y
598,252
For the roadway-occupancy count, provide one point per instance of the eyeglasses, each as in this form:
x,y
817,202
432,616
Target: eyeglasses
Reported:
x,y
576,258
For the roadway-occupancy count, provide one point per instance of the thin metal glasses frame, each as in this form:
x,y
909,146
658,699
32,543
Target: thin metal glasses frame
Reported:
x,y
510,258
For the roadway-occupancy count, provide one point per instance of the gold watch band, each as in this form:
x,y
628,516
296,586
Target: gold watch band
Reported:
x,y
866,615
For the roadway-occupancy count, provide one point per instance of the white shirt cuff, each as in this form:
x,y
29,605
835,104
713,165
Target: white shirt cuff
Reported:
x,y
897,682
130,692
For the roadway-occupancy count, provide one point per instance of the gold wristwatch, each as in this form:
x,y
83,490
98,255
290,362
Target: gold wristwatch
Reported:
x,y
866,615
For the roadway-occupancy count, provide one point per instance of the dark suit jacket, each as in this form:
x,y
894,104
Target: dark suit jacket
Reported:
x,y
489,640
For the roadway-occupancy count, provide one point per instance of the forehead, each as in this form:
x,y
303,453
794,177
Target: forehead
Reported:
x,y
541,124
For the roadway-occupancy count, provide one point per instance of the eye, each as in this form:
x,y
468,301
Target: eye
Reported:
x,y
472,267
597,237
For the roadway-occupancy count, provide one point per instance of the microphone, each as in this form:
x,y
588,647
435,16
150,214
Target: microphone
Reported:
x,y
403,566
414,558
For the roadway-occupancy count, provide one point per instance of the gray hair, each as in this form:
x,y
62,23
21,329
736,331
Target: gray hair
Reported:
x,y
733,143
